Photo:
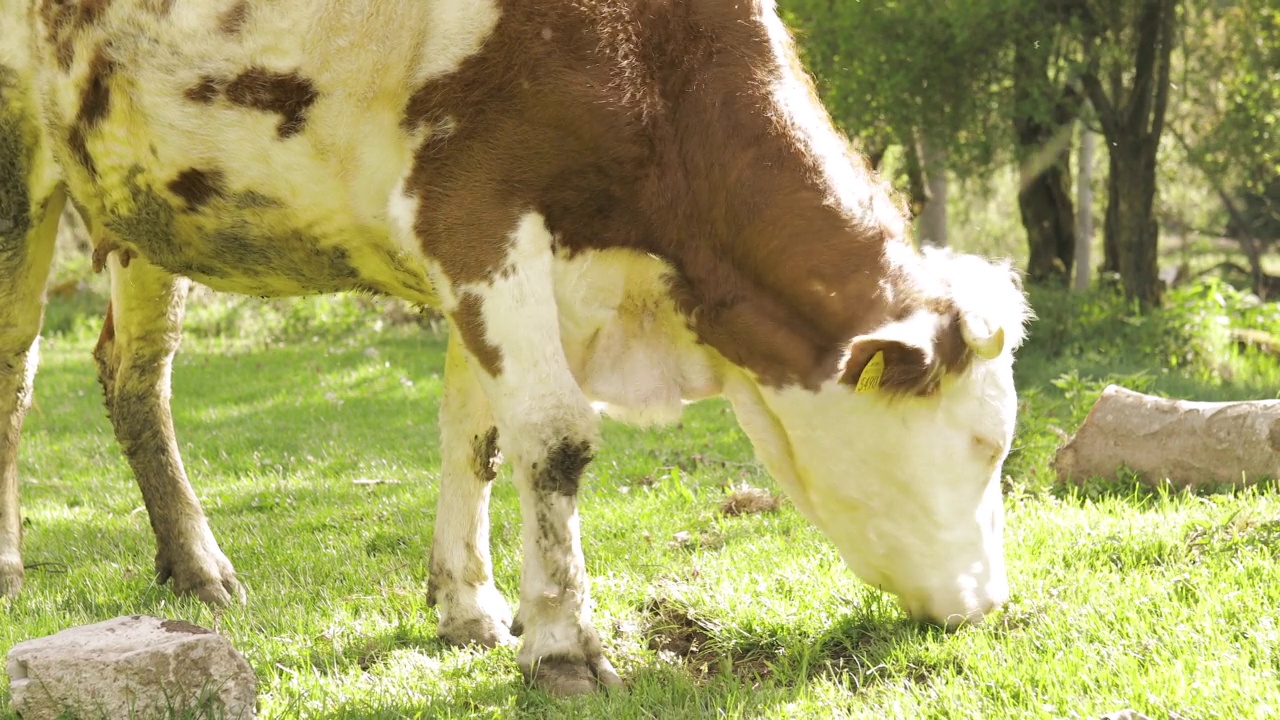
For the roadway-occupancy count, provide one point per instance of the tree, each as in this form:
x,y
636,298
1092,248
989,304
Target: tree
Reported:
x,y
1045,105
1229,119
968,84
912,73
1128,46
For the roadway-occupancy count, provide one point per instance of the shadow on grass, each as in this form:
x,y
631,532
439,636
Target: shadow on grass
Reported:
x,y
271,423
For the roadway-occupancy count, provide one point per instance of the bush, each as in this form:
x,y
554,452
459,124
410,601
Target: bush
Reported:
x,y
1194,333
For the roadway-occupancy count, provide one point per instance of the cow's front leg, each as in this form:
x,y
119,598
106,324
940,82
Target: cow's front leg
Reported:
x,y
547,430
471,609
135,358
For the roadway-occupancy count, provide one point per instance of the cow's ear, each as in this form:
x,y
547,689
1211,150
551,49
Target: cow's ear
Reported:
x,y
909,356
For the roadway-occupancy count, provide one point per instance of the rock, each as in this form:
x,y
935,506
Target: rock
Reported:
x,y
130,667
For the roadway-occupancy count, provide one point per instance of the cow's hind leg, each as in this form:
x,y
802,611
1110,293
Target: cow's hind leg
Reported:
x,y
135,357
547,431
471,609
28,226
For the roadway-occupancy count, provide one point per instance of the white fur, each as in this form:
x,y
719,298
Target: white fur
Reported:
x,y
628,348
337,180
460,551
908,489
537,403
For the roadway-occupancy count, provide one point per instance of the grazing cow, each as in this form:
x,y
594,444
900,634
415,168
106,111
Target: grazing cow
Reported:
x,y
625,203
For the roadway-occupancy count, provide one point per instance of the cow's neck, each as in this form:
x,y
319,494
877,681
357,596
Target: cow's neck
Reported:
x,y
735,178
684,131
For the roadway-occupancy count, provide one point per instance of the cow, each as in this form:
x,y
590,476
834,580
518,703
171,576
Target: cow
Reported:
x,y
619,205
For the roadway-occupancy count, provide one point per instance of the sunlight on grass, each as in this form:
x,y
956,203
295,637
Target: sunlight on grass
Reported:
x,y
1122,596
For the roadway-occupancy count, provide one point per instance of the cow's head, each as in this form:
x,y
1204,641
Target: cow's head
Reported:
x,y
897,456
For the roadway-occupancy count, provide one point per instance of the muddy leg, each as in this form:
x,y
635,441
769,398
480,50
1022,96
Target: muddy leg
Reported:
x,y
26,249
547,429
135,358
471,608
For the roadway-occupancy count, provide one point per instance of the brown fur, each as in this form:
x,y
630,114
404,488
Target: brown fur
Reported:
x,y
80,150
471,325
95,101
648,125
233,20
286,94
205,91
198,187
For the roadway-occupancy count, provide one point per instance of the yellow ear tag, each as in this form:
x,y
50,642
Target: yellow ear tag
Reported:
x,y
869,380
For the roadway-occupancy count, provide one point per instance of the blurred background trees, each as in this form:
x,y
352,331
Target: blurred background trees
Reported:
x,y
996,99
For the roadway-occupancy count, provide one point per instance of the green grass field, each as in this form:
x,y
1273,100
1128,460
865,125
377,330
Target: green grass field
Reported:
x,y
309,434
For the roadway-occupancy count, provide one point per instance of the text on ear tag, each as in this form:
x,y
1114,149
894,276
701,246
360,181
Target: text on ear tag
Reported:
x,y
869,380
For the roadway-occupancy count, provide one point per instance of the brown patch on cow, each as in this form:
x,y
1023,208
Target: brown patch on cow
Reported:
x,y
470,322
95,99
63,20
562,469
184,627
95,103
161,8
484,450
916,368
287,94
80,150
59,22
205,91
91,10
652,127
234,19
197,187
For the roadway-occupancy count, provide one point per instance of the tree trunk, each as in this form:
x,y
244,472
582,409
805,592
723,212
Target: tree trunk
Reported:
x,y
1132,120
1131,228
1045,113
1045,205
931,226
1084,209
917,191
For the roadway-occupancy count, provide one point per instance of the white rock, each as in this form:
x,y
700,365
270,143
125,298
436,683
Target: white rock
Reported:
x,y
135,667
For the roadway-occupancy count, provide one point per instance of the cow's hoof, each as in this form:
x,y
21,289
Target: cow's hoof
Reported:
x,y
566,676
484,632
213,587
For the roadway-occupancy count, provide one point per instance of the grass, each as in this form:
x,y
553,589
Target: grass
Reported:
x,y
309,431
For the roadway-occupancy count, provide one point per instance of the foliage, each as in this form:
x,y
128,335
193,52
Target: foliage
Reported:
x,y
889,71
1231,79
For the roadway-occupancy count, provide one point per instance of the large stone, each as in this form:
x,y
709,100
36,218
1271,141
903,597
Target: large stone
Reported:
x,y
136,667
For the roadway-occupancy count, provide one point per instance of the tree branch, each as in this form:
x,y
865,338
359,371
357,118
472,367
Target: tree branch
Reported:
x,y
1162,82
1150,27
1251,246
1102,106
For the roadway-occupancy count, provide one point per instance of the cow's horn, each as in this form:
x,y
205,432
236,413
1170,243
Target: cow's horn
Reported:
x,y
978,335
